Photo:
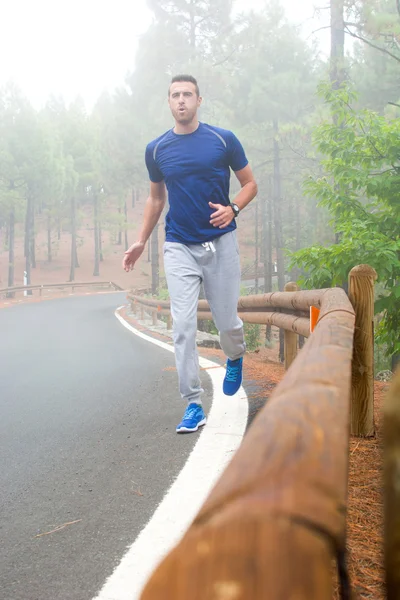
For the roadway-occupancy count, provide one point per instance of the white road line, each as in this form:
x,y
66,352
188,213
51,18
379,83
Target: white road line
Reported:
x,y
207,461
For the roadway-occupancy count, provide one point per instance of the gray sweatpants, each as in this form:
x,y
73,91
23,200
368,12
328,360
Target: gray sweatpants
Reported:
x,y
217,266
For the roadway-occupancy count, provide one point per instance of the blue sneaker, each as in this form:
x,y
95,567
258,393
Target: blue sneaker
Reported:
x,y
193,418
233,377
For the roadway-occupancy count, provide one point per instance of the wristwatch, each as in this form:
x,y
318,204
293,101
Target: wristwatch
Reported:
x,y
235,208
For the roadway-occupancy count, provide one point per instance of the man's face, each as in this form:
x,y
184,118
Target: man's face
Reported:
x,y
183,101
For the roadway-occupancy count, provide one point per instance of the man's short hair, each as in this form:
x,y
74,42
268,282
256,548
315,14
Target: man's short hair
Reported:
x,y
185,79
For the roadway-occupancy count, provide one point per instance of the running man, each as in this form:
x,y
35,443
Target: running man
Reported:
x,y
192,162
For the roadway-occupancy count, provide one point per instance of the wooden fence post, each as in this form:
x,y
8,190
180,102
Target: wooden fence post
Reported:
x,y
169,322
154,314
290,338
361,294
141,312
392,488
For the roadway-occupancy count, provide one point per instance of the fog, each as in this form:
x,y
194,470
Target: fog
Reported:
x,y
84,48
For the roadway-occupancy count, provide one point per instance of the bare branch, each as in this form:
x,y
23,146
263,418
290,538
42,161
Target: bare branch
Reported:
x,y
375,174
371,143
303,156
394,40
320,29
394,103
355,25
221,62
363,39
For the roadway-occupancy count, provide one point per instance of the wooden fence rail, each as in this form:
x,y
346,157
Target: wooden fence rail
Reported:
x,y
276,519
289,310
295,320
46,286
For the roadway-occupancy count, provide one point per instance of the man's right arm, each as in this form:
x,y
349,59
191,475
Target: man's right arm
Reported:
x,y
152,212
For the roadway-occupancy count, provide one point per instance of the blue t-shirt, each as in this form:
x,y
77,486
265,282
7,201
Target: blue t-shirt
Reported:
x,y
195,168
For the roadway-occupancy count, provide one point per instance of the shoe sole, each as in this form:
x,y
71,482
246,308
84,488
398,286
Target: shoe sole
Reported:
x,y
187,430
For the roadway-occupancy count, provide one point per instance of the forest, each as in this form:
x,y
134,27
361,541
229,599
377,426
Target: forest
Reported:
x,y
322,135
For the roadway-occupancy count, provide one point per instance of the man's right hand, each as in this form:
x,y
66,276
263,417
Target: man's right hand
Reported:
x,y
132,255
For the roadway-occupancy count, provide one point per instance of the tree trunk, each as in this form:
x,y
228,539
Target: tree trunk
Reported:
x,y
126,226
32,236
6,236
26,233
337,67
49,254
256,252
278,225
155,268
295,273
27,243
100,244
298,223
276,194
192,28
337,72
120,228
267,251
96,271
11,241
76,250
73,239
268,284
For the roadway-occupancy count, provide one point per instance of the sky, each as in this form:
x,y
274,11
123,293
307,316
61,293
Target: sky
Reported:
x,y
84,47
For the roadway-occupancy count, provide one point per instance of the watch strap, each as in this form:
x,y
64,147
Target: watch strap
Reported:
x,y
235,208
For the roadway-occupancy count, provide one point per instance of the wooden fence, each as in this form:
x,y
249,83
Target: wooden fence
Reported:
x,y
10,291
277,518
290,311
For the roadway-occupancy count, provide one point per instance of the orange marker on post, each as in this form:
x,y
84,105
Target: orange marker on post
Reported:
x,y
314,315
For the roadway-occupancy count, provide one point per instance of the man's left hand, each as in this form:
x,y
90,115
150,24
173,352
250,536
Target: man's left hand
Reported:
x,y
222,216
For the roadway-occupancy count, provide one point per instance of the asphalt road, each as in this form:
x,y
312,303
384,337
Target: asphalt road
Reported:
x,y
87,433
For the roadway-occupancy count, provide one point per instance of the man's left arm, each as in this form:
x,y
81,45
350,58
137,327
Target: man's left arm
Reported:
x,y
249,187
224,215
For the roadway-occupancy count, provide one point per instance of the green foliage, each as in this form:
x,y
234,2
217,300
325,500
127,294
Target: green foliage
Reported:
x,y
163,294
252,332
360,189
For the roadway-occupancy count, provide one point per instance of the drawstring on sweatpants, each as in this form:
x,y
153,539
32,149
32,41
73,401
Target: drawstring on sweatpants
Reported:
x,y
209,246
